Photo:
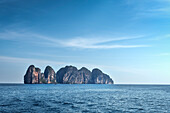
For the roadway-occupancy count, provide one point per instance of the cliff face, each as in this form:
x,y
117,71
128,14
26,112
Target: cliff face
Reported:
x,y
42,79
49,75
86,75
66,75
32,75
100,78
71,75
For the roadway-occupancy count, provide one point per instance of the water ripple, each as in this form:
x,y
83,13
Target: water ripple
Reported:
x,y
84,98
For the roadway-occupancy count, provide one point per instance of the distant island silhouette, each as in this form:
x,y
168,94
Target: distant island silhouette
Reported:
x,y
66,75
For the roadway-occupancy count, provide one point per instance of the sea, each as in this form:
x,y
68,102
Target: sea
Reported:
x,y
78,98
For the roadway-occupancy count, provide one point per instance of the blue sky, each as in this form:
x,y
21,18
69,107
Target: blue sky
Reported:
x,y
127,39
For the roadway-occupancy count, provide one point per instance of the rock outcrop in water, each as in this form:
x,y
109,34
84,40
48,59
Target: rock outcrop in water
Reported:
x,y
100,78
71,75
66,75
32,75
50,75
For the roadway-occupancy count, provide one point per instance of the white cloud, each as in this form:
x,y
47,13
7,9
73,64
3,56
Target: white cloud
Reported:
x,y
103,46
150,8
167,36
97,43
77,42
163,54
160,10
79,65
26,60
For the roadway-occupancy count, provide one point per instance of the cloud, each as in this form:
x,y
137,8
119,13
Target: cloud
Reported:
x,y
49,55
150,8
94,46
159,10
77,42
167,36
26,60
57,63
163,54
161,37
98,43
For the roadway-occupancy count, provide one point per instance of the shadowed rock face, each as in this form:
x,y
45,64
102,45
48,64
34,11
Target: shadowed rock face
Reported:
x,y
70,75
100,78
32,75
42,79
85,74
66,75
49,74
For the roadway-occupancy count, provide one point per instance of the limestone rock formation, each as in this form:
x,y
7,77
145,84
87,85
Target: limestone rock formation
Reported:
x,y
50,75
71,75
32,75
42,79
100,78
66,75
86,75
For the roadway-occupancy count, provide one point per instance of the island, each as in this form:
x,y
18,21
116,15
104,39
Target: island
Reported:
x,y
66,75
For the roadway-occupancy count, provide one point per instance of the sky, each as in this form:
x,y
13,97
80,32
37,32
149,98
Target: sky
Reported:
x,y
127,39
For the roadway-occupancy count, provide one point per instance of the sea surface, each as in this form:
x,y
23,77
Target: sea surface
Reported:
x,y
71,98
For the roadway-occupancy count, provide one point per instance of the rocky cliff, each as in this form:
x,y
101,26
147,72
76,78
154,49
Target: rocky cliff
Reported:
x,y
66,75
50,75
100,78
32,75
71,75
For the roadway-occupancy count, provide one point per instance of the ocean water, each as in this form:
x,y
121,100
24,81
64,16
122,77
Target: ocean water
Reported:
x,y
67,98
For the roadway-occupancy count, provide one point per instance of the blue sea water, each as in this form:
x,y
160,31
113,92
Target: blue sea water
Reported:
x,y
67,98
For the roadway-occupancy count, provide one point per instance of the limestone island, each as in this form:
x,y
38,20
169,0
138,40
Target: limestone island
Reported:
x,y
66,75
